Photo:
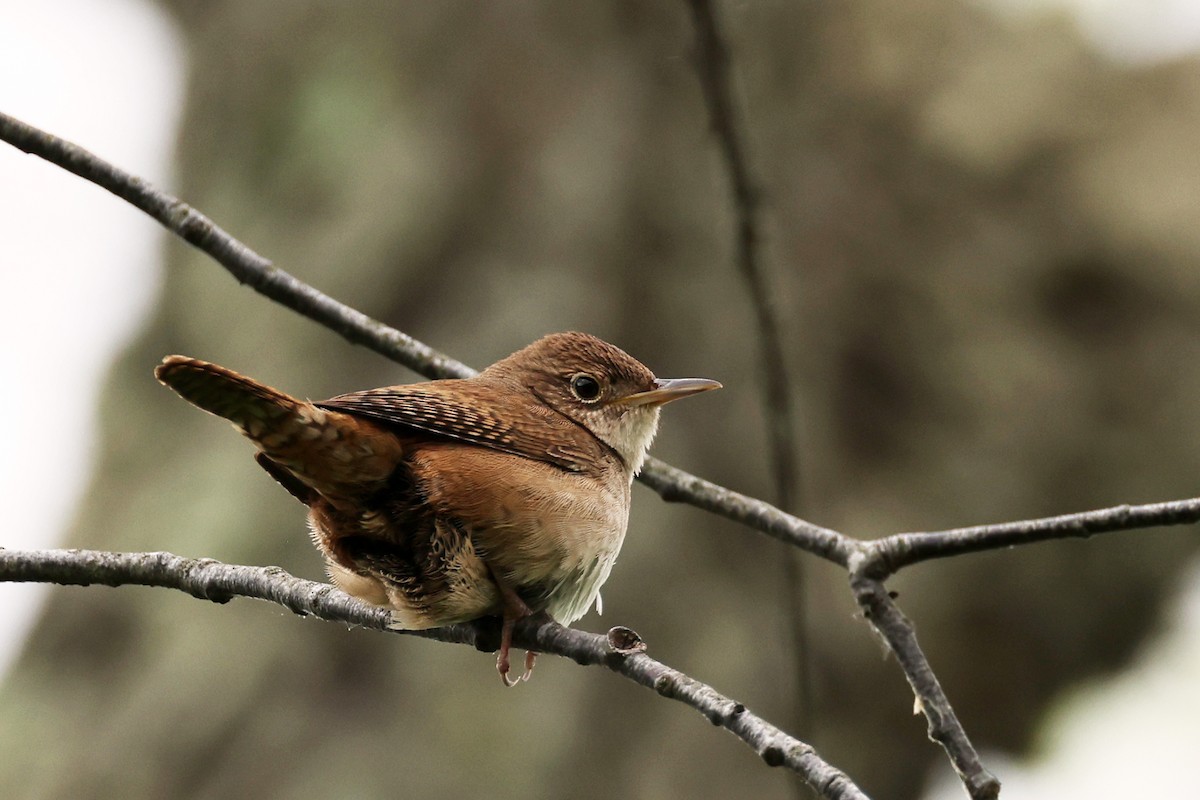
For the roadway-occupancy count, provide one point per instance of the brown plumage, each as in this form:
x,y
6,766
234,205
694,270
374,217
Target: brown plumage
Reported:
x,y
503,494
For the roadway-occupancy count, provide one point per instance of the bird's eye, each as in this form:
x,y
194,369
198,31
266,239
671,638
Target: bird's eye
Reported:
x,y
586,388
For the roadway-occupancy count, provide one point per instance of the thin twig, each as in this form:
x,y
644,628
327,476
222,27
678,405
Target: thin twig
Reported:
x,y
712,66
943,725
675,485
891,553
243,263
212,580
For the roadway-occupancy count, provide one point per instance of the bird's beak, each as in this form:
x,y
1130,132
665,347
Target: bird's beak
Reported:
x,y
665,391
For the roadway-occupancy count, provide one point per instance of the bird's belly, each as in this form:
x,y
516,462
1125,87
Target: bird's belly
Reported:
x,y
551,535
574,593
557,559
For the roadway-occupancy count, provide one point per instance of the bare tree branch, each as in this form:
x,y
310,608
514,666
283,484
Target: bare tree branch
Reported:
x,y
943,725
868,562
891,553
882,557
212,580
880,611
712,62
712,67
675,485
244,264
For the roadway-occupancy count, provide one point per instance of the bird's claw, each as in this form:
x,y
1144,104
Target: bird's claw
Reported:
x,y
502,666
530,660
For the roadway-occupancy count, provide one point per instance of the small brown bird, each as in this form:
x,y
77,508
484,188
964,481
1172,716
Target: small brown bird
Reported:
x,y
505,494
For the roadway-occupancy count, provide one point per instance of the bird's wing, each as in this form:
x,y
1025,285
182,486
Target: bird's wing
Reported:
x,y
468,412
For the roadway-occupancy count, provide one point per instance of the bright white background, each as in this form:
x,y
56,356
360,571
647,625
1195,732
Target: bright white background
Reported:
x,y
79,270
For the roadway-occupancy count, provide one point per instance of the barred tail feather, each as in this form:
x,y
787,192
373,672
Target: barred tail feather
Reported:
x,y
246,403
335,454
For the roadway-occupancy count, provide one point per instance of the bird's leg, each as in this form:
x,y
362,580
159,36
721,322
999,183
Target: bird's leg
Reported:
x,y
512,608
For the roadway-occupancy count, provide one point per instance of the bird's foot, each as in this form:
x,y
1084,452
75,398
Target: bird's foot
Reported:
x,y
503,665
514,609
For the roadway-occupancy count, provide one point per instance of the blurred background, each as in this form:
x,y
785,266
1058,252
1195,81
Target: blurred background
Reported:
x,y
982,225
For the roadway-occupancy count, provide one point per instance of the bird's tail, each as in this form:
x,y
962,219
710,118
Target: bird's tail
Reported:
x,y
335,454
256,409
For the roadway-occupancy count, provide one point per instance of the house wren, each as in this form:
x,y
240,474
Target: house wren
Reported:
x,y
504,494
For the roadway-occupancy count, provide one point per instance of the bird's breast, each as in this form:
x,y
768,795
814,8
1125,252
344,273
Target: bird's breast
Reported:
x,y
533,524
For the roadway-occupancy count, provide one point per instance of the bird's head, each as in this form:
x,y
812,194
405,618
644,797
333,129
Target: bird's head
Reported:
x,y
599,387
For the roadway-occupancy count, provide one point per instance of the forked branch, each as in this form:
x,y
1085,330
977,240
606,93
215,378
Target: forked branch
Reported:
x,y
869,563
